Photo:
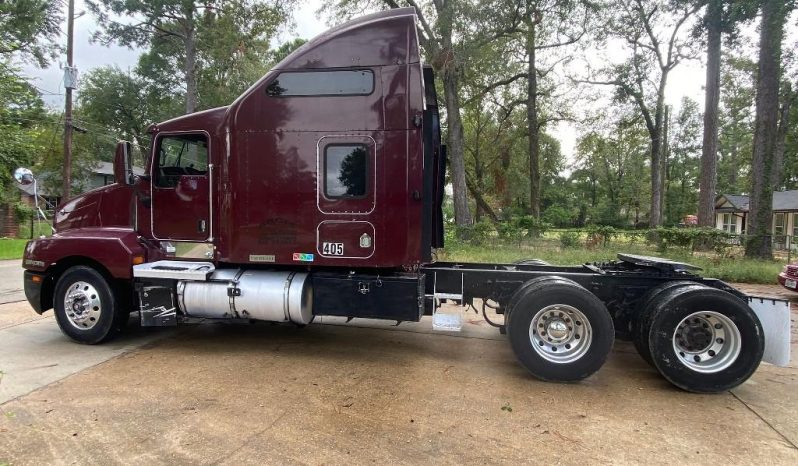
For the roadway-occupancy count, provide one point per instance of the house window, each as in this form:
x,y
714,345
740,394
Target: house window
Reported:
x,y
331,83
795,224
345,168
729,223
778,223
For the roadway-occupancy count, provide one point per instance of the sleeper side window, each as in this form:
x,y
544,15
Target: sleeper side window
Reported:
x,y
345,168
322,83
180,155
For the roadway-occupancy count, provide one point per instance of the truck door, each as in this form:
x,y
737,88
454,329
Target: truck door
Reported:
x,y
181,187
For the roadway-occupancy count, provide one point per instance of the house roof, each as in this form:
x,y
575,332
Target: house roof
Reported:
x,y
782,201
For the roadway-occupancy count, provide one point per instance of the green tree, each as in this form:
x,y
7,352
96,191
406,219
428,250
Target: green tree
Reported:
x,y
721,17
22,120
219,42
610,171
771,36
532,38
654,32
684,158
29,28
122,105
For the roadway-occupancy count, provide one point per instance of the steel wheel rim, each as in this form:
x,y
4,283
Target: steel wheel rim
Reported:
x,y
707,342
560,333
82,305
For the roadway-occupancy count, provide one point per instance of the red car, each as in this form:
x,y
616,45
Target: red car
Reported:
x,y
788,278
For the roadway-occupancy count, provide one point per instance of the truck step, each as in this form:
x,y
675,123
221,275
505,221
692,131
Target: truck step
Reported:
x,y
445,321
179,270
452,296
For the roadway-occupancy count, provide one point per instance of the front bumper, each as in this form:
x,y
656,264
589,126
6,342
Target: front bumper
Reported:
x,y
33,289
791,283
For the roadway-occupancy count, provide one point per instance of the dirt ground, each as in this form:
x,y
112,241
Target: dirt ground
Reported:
x,y
362,393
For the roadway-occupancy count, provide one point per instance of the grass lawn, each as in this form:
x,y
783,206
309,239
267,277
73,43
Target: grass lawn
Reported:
x,y
730,269
12,248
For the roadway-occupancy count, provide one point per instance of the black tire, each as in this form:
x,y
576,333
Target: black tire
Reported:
x,y
641,322
531,262
100,315
543,293
705,302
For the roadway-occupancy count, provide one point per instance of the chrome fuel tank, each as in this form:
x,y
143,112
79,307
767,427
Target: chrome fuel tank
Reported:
x,y
249,294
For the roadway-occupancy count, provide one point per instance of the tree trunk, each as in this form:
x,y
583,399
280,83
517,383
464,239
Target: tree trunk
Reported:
x,y
532,123
709,154
781,136
190,64
655,215
760,216
482,205
665,152
455,146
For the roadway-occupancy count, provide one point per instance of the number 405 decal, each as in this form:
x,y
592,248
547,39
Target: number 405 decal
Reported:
x,y
332,249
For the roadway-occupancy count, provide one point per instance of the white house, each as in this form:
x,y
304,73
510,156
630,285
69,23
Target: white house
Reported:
x,y
731,212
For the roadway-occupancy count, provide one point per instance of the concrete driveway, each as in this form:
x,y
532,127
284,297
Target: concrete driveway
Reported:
x,y
11,281
363,392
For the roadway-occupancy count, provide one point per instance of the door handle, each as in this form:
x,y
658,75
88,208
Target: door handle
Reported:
x,y
201,226
416,196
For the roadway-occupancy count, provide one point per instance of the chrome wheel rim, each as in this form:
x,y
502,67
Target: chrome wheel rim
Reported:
x,y
82,305
560,333
707,342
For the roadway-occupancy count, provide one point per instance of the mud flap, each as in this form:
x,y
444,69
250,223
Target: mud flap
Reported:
x,y
775,317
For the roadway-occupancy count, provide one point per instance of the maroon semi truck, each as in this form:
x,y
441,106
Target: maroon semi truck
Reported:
x,y
318,193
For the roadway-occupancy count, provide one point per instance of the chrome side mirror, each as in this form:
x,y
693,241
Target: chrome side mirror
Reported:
x,y
23,176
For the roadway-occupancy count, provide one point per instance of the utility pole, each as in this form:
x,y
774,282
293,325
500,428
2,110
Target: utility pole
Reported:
x,y
70,76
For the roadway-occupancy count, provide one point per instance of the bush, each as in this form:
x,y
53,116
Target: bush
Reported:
x,y
690,238
510,231
476,234
534,227
558,216
569,239
602,234
23,211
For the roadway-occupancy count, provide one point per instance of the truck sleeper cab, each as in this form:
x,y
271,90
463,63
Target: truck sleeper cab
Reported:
x,y
318,192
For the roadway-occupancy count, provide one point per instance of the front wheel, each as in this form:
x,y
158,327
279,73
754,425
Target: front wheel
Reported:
x,y
86,308
559,330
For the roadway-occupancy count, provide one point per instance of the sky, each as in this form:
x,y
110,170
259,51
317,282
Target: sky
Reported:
x,y
686,80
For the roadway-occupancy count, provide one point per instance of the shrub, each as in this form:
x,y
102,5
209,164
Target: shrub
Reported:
x,y
23,212
510,231
602,233
569,239
476,234
558,216
534,227
690,238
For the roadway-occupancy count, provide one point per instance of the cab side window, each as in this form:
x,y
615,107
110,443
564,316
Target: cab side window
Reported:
x,y
322,83
346,169
180,155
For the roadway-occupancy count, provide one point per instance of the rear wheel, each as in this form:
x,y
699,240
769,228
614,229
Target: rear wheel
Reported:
x,y
86,308
531,262
705,340
559,330
641,323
